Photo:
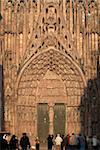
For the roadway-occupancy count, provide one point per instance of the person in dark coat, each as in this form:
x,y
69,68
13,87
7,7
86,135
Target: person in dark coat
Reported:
x,y
13,143
86,143
3,143
62,143
50,142
24,142
37,143
66,142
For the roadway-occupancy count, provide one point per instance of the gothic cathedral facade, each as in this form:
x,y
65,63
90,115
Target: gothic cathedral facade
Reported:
x,y
49,50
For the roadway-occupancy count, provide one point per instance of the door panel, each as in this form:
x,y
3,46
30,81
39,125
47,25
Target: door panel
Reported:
x,y
43,122
59,119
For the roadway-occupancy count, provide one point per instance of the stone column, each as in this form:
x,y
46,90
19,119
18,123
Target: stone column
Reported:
x,y
51,118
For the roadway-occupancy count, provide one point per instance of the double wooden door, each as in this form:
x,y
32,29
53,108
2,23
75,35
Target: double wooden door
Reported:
x,y
59,120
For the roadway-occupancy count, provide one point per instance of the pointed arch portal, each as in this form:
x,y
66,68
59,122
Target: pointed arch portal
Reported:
x,y
51,78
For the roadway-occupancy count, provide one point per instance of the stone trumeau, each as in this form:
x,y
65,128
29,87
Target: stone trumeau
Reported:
x,y
49,51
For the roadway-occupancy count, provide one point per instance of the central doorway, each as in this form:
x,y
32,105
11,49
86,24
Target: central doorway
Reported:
x,y
43,120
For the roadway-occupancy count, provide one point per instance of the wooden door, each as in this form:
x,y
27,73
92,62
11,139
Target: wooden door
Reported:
x,y
59,119
43,122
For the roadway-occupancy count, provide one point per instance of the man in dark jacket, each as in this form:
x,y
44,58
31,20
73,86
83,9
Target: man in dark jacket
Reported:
x,y
50,142
24,142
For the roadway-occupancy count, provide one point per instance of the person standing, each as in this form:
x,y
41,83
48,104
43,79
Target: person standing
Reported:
x,y
94,143
58,141
50,142
86,142
13,143
4,143
24,142
81,142
37,143
73,141
62,143
66,141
